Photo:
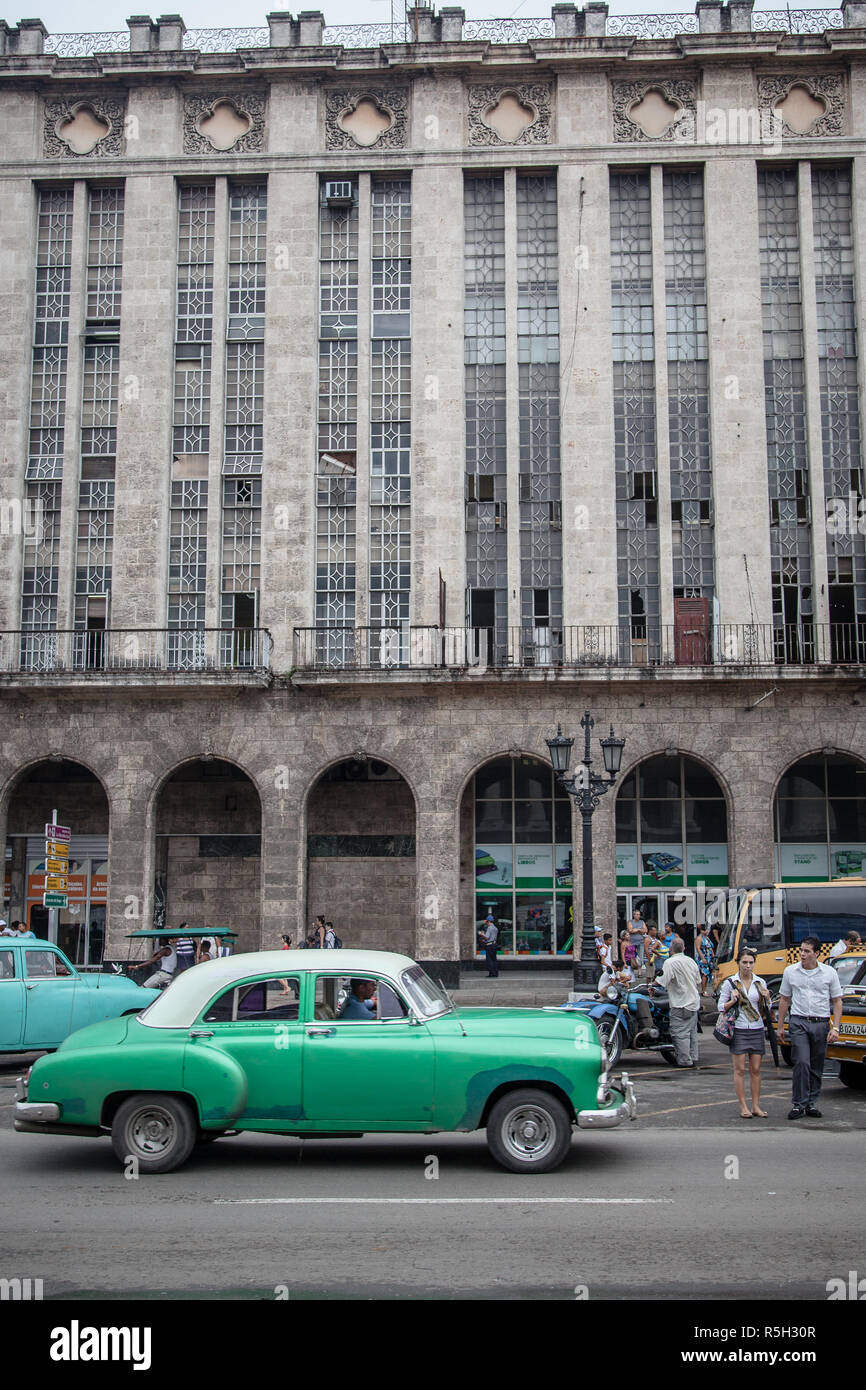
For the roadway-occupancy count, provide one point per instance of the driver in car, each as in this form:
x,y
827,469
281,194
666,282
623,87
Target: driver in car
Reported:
x,y
359,1006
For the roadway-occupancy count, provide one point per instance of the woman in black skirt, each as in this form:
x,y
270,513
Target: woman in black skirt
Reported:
x,y
744,992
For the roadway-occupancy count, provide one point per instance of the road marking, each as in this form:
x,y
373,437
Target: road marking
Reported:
x,y
709,1105
440,1201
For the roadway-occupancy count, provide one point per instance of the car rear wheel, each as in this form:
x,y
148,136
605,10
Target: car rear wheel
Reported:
x,y
610,1037
156,1130
853,1074
529,1132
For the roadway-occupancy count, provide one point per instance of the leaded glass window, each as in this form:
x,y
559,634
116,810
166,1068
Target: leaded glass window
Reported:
x,y
785,406
635,457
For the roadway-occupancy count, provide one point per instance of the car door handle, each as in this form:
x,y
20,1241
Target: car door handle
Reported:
x,y
321,1032
33,986
200,1033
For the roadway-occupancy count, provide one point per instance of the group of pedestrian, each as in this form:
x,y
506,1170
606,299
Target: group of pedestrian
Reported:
x,y
19,929
174,955
321,936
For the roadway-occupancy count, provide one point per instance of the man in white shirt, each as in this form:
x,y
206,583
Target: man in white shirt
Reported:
x,y
851,942
682,980
811,989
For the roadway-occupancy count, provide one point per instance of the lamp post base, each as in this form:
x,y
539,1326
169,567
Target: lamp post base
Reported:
x,y
586,975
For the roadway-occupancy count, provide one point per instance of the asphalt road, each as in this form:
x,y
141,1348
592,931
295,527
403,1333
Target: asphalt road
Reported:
x,y
687,1202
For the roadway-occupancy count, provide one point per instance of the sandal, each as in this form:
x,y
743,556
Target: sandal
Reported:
x,y
760,1114
745,1114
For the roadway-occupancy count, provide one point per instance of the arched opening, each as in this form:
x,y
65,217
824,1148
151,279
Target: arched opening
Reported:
x,y
361,855
208,850
516,852
819,819
671,841
77,796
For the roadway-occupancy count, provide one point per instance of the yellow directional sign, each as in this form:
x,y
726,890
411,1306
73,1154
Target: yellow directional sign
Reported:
x,y
55,850
55,885
56,866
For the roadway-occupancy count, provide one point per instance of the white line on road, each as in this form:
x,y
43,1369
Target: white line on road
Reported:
x,y
438,1201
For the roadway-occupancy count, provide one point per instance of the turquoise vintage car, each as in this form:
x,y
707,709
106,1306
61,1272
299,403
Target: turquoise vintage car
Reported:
x,y
321,1043
43,998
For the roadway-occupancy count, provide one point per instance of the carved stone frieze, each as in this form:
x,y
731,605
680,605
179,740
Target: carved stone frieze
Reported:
x,y
199,109
391,132
81,116
629,99
536,98
825,89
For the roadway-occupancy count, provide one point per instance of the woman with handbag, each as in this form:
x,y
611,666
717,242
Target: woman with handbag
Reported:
x,y
744,992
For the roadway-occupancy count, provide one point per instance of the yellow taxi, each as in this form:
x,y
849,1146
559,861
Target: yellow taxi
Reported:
x,y
850,1049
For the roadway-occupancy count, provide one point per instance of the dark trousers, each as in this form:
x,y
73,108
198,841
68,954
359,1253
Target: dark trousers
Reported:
x,y
808,1050
492,967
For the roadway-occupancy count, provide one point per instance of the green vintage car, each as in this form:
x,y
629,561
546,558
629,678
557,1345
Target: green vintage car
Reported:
x,y
321,1043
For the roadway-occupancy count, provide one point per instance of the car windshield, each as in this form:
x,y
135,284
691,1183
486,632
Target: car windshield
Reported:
x,y
847,967
428,998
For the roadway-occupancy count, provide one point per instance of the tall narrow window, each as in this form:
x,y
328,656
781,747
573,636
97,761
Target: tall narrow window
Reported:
x,y
189,489
688,386
634,417
390,430
538,402
338,415
39,587
244,423
486,451
99,401
785,406
840,411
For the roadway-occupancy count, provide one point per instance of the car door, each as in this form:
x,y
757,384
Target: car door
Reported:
x,y
257,1023
49,997
11,998
370,1074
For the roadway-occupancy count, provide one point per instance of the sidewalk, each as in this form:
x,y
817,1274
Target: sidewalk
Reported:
x,y
528,989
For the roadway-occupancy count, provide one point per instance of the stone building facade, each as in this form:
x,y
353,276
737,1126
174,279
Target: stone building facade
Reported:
x,y
374,402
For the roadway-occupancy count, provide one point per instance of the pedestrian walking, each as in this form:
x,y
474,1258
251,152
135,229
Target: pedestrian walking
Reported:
x,y
704,956
812,991
682,980
744,993
490,942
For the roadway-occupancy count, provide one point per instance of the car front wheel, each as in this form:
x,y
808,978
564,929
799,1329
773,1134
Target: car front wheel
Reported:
x,y
156,1130
528,1132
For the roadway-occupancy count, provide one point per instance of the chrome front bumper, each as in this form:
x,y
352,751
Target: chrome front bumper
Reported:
x,y
612,1116
34,1112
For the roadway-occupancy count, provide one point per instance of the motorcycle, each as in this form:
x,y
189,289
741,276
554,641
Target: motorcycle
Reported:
x,y
639,1019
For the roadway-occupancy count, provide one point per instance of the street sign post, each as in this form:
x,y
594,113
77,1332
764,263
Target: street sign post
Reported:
x,y
57,838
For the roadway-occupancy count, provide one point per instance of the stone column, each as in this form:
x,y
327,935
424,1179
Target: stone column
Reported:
x,y
311,23
737,413
588,477
18,256
438,878
140,561
291,308
283,870
131,831
438,409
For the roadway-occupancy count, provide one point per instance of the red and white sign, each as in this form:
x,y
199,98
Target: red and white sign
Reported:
x,y
58,832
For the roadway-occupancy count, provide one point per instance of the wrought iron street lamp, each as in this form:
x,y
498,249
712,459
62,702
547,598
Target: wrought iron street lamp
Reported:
x,y
586,788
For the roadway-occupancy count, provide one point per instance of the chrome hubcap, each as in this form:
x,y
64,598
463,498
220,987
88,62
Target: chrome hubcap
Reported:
x,y
152,1131
528,1133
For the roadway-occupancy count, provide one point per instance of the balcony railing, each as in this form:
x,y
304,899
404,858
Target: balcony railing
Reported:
x,y
127,650
730,645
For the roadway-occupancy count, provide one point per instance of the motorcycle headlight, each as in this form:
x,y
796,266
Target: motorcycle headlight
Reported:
x,y
611,993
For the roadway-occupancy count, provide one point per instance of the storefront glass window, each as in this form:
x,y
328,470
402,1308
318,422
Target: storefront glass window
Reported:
x,y
523,868
820,820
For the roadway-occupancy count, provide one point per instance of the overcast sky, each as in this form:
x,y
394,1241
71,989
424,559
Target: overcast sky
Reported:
x,y
59,17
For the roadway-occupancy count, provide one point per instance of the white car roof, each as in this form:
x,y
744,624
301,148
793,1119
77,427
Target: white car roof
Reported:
x,y
187,995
